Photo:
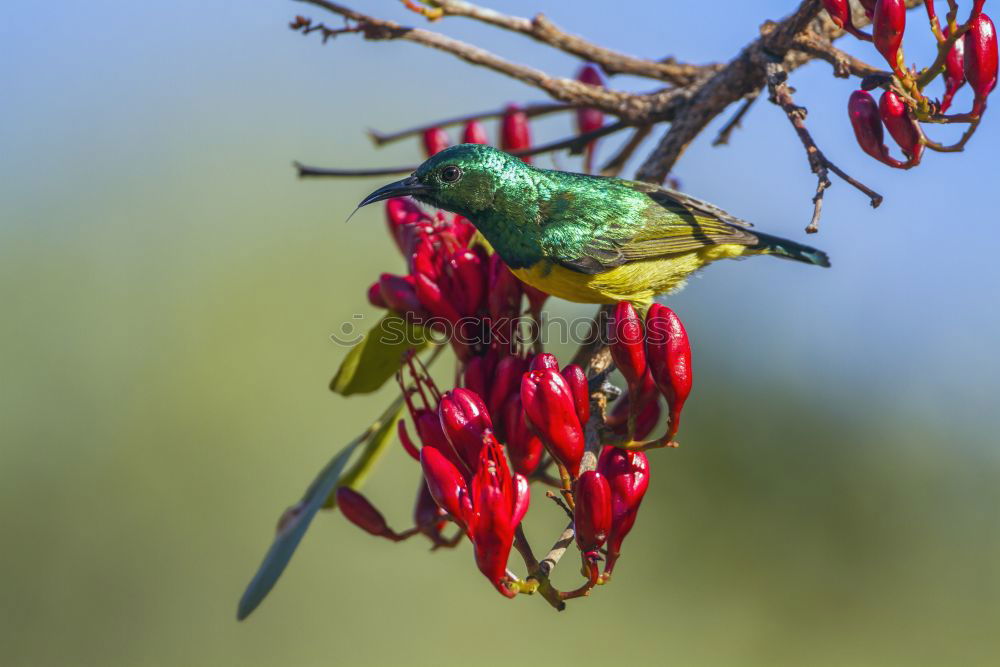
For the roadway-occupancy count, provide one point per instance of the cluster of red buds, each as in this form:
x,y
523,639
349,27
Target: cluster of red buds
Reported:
x,y
966,53
466,479
655,360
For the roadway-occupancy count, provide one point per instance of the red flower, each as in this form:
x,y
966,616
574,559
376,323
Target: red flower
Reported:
x,y
359,511
499,502
592,511
551,412
435,141
888,24
474,133
589,119
428,516
902,127
627,473
464,420
669,355
577,381
867,125
954,71
523,446
981,60
446,484
515,135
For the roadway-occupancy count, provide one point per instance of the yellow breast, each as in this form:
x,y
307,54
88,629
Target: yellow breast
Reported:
x,y
637,281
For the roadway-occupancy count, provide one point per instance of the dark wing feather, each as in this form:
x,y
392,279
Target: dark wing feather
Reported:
x,y
675,223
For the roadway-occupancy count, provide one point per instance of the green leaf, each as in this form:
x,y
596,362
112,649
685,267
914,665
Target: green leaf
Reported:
x,y
369,456
298,518
376,358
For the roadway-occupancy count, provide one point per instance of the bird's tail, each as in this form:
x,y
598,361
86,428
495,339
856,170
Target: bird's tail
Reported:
x,y
773,245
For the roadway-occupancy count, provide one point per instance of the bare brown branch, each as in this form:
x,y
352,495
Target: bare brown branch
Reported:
x,y
543,30
627,106
781,95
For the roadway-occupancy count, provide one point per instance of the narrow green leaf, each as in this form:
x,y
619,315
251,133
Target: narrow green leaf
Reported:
x,y
297,521
369,456
376,358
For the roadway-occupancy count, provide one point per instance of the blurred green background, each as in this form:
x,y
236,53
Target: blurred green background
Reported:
x,y
168,291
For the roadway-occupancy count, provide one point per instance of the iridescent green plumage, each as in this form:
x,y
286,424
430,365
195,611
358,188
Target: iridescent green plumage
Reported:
x,y
622,239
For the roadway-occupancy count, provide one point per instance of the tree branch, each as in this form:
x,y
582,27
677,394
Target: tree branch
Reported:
x,y
781,95
630,107
543,30
740,77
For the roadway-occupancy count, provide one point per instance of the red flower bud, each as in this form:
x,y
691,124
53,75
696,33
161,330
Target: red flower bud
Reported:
x,y
627,344
523,446
577,381
464,420
474,133
433,299
981,60
362,513
375,296
504,291
478,375
506,381
592,511
542,361
902,127
669,356
515,134
428,517
435,141
551,412
446,484
499,503
399,294
839,11
627,473
954,71
399,212
867,126
467,281
649,415
888,24
589,119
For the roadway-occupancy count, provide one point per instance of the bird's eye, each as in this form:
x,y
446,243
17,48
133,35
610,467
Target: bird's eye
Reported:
x,y
450,174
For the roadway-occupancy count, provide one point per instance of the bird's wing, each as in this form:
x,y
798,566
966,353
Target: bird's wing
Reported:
x,y
673,223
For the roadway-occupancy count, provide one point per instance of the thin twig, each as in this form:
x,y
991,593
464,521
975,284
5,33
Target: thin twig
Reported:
x,y
529,110
781,95
844,64
614,166
736,121
575,144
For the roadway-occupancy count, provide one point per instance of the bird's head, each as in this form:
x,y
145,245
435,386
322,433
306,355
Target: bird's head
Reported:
x,y
462,179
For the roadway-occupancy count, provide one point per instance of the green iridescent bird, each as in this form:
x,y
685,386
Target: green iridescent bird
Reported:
x,y
585,238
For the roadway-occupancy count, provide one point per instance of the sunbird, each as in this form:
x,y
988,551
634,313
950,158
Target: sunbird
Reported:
x,y
589,239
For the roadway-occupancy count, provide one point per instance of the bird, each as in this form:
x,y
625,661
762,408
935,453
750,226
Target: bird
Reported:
x,y
584,238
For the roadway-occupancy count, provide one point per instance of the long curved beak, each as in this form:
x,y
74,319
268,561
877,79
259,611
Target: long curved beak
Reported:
x,y
408,186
